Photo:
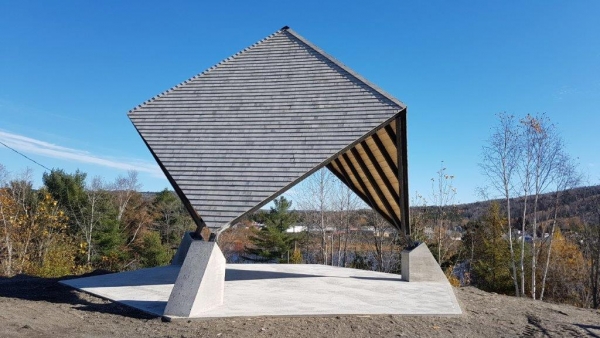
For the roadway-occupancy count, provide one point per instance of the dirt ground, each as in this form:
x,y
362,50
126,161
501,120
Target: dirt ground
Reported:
x,y
37,307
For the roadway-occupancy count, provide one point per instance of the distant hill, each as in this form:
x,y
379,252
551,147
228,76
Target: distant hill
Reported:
x,y
576,206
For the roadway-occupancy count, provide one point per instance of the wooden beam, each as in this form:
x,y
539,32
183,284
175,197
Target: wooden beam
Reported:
x,y
391,134
376,188
370,200
385,153
401,146
380,172
345,180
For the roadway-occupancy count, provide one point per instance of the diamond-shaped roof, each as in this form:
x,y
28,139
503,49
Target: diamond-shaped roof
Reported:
x,y
237,135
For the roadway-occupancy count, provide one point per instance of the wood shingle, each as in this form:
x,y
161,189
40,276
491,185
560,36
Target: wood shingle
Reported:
x,y
237,135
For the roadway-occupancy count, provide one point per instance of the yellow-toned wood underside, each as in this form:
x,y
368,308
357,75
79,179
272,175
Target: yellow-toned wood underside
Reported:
x,y
370,169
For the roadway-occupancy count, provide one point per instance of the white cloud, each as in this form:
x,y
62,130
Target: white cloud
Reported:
x,y
29,145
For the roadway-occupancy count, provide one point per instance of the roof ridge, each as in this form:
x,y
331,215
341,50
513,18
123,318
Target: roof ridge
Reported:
x,y
343,67
284,28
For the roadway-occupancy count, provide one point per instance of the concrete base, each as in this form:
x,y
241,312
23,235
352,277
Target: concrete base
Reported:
x,y
201,281
418,265
283,290
183,248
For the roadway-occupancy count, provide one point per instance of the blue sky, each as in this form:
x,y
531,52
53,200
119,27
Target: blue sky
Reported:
x,y
70,72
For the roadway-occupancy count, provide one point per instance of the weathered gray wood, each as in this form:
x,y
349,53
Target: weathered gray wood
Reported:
x,y
237,135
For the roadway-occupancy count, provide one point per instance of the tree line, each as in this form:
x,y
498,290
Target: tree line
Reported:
x,y
539,240
73,225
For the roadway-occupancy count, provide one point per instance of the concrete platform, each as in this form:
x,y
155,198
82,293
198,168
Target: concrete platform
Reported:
x,y
283,290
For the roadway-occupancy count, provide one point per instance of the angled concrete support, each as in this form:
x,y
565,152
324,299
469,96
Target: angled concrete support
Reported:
x,y
201,281
184,246
419,265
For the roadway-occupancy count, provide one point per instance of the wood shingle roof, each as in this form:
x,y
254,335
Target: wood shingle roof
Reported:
x,y
237,135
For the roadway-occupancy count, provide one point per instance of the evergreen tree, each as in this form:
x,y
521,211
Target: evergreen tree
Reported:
x,y
69,191
491,254
152,252
272,242
170,217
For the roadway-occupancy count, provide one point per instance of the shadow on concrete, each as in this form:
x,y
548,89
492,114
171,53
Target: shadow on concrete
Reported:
x,y
379,278
238,275
168,275
151,276
591,330
49,290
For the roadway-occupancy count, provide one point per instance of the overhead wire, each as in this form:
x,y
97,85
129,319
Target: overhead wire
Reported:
x,y
27,157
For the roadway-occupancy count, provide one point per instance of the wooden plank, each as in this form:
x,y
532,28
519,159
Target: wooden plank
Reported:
x,y
380,172
384,153
371,200
376,188
342,176
390,132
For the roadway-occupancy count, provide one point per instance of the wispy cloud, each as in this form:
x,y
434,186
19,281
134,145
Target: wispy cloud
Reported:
x,y
565,92
29,145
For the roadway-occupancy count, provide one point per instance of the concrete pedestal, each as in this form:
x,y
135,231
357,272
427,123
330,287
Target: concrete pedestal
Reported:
x,y
419,265
200,284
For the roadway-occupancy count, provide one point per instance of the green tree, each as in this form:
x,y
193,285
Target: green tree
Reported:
x,y
171,219
109,242
272,243
68,190
152,252
491,264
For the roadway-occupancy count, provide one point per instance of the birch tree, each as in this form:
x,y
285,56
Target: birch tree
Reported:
x,y
565,176
124,187
525,173
345,203
315,198
545,147
501,156
88,216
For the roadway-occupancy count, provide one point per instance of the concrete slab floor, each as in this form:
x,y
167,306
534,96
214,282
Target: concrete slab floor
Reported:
x,y
283,290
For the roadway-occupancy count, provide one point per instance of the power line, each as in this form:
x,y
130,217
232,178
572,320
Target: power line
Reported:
x,y
32,160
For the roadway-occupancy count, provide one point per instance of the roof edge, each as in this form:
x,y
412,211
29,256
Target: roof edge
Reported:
x,y
285,28
344,67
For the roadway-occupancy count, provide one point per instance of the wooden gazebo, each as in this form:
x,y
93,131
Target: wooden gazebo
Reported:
x,y
237,135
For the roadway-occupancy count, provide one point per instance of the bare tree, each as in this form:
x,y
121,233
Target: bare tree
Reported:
x,y
443,194
345,202
418,217
23,194
501,156
315,198
19,224
593,235
545,148
591,246
525,173
384,237
565,176
124,187
87,215
8,214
